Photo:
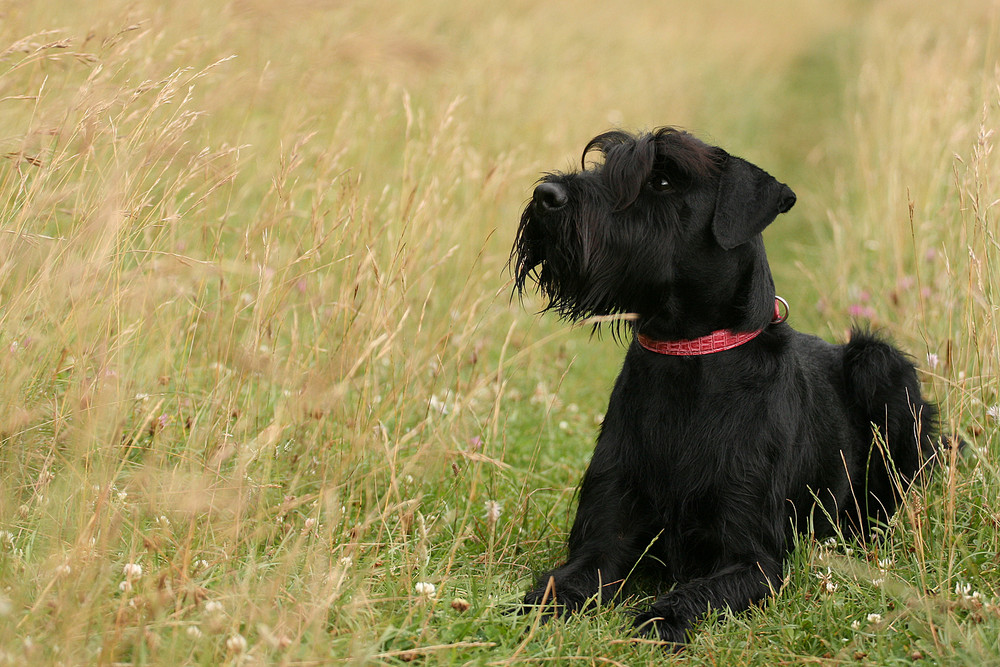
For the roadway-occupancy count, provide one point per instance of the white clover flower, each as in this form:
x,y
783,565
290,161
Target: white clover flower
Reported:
x,y
874,618
855,625
346,561
885,564
132,570
993,412
63,570
193,631
213,607
826,578
425,588
966,592
236,643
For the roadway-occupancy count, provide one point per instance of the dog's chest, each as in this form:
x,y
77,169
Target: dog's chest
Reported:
x,y
693,442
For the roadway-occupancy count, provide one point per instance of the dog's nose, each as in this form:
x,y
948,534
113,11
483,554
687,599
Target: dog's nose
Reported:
x,y
550,196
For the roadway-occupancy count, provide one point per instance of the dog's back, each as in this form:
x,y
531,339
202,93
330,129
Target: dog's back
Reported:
x,y
865,427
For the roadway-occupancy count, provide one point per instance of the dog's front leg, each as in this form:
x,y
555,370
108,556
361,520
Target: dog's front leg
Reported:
x,y
610,533
733,588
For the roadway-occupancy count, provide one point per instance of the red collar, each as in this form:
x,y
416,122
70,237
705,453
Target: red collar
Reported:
x,y
717,341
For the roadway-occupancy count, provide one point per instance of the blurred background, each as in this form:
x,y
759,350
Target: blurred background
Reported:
x,y
256,323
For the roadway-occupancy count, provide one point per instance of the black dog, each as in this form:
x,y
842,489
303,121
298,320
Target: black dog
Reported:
x,y
727,430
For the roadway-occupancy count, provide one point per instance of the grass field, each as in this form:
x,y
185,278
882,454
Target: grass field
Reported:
x,y
265,397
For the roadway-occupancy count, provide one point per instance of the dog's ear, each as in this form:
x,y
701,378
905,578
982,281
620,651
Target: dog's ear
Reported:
x,y
748,200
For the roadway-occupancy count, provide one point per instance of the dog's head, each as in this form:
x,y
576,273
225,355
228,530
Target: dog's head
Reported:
x,y
666,227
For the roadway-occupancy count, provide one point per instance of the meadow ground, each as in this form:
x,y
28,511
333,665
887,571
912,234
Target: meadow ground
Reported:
x,y
264,395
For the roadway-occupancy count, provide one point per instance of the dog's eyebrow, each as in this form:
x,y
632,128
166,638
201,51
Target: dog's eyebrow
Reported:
x,y
605,142
629,160
688,153
627,166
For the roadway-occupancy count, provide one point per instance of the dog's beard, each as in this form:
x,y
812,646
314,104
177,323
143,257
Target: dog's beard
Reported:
x,y
565,266
528,252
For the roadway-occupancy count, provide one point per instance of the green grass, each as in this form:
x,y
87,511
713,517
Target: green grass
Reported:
x,y
257,335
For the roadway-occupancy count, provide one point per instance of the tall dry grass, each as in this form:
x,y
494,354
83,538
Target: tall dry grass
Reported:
x,y
227,384
913,250
261,375
914,235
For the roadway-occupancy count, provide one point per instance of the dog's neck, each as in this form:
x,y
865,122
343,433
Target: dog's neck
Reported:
x,y
717,341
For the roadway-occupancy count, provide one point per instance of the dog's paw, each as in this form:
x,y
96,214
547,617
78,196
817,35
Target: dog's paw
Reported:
x,y
539,599
656,625
549,605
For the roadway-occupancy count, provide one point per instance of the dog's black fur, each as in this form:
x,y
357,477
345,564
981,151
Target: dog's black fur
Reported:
x,y
707,465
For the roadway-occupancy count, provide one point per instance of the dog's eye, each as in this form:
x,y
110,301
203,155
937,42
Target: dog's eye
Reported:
x,y
659,183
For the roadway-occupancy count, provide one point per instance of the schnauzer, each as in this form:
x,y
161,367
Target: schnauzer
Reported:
x,y
727,430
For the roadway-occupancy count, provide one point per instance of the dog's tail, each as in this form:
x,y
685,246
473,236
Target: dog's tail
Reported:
x,y
883,384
